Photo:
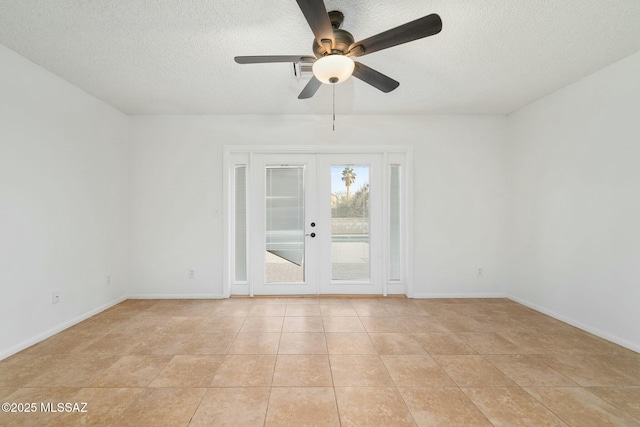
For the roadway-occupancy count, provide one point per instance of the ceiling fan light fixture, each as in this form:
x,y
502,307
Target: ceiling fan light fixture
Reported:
x,y
333,69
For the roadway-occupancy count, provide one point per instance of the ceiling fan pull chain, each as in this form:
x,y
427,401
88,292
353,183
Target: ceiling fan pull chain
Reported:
x,y
334,107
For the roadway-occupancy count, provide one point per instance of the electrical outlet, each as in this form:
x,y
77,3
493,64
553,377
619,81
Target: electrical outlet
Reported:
x,y
192,274
55,297
108,280
480,272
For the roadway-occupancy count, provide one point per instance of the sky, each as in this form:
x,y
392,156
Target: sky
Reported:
x,y
337,185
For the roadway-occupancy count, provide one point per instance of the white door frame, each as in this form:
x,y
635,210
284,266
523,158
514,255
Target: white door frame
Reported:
x,y
234,155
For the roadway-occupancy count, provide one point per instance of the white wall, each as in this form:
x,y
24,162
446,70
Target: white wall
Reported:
x,y
575,180
63,203
459,203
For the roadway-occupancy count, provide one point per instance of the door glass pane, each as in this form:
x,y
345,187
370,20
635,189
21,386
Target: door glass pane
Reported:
x,y
350,223
240,238
284,224
394,223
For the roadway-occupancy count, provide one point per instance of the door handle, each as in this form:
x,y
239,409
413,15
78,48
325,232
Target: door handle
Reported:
x,y
312,235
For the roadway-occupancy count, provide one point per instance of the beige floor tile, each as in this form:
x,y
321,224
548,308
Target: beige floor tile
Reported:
x,y
268,310
20,369
163,344
443,343
500,323
143,324
302,343
64,343
284,300
384,324
255,343
438,307
488,343
185,325
36,395
226,324
162,407
349,343
395,343
209,343
442,407
404,308
576,341
554,342
262,324
416,371
423,325
307,370
303,310
104,406
245,371
115,343
626,399
306,406
372,406
302,300
302,324
359,371
342,324
74,370
511,406
6,391
188,371
460,324
577,407
201,308
232,407
168,307
371,308
529,370
473,371
337,310
232,310
132,371
98,326
595,370
131,307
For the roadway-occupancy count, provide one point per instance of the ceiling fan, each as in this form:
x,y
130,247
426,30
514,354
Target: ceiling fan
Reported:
x,y
334,48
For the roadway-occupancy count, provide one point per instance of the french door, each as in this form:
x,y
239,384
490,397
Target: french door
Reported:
x,y
316,222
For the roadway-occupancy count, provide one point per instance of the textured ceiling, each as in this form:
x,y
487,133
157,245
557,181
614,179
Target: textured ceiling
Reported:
x,y
176,56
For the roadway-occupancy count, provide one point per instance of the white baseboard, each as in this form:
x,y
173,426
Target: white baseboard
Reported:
x,y
595,331
176,296
465,295
46,334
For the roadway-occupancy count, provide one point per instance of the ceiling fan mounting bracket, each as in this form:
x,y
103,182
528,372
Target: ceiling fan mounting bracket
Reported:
x,y
337,18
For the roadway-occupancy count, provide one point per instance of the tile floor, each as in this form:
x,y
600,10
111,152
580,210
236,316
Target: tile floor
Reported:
x,y
311,361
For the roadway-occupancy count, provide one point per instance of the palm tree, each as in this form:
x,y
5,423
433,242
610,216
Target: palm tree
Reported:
x,y
349,177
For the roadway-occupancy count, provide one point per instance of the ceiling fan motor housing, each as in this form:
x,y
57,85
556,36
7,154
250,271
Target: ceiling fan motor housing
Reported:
x,y
343,39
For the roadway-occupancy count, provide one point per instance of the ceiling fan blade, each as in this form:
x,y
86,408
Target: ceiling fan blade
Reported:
x,y
273,58
414,30
374,78
310,89
318,19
